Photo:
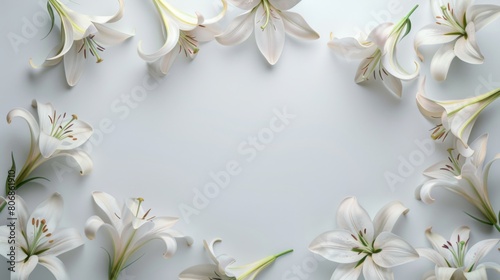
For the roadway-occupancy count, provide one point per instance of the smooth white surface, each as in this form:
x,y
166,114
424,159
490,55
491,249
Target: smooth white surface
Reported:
x,y
163,147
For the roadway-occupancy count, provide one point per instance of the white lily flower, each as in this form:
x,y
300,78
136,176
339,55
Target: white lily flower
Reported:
x,y
455,116
54,135
363,245
464,176
271,21
453,259
378,51
457,22
82,35
130,228
37,239
182,32
222,269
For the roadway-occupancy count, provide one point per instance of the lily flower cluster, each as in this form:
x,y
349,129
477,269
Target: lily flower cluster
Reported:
x,y
363,245
222,268
462,172
269,20
466,177
183,33
82,36
130,228
378,54
53,135
457,22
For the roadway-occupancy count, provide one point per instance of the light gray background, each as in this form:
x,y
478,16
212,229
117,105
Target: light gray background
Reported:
x,y
164,144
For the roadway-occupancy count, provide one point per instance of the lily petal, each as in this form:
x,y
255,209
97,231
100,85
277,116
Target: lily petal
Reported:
x,y
110,207
55,266
113,18
297,26
108,36
460,8
467,49
172,34
477,274
238,30
479,146
434,34
489,265
164,64
201,272
428,107
245,4
284,4
336,246
478,251
347,272
24,268
374,272
67,38
433,256
483,15
395,251
354,218
391,64
73,66
81,158
64,240
437,241
353,48
271,39
459,187
50,210
380,34
445,273
387,216
392,83
93,225
29,118
441,61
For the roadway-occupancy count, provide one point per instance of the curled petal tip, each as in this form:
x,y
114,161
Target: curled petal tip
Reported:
x,y
33,65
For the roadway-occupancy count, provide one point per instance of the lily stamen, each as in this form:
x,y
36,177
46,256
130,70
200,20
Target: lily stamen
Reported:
x,y
268,14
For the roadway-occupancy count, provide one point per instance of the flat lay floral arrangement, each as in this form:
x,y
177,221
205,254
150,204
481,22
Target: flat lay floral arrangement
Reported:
x,y
318,140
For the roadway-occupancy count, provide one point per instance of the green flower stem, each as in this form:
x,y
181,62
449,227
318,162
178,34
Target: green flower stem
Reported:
x,y
262,264
404,20
118,267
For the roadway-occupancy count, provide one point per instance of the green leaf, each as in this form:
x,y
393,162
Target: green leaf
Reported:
x,y
408,28
361,261
29,180
132,262
51,14
109,262
479,220
12,169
